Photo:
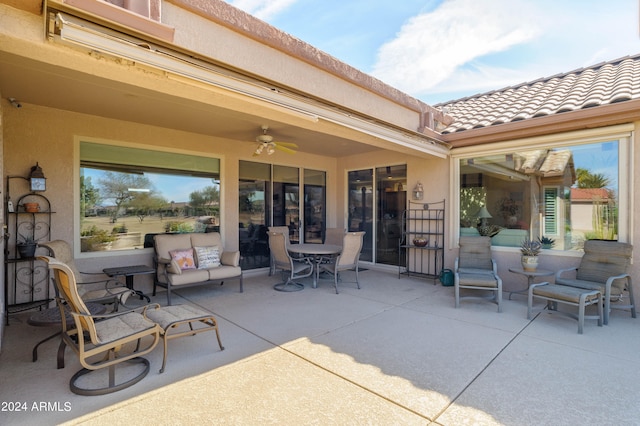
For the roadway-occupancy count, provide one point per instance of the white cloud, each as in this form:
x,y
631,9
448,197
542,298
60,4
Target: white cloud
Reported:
x,y
431,47
466,47
262,9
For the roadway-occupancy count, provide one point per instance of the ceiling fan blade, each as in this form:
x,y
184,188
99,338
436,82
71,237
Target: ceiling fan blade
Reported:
x,y
285,149
288,145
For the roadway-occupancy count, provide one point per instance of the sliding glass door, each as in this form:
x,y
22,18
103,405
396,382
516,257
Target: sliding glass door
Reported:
x,y
314,205
269,195
378,197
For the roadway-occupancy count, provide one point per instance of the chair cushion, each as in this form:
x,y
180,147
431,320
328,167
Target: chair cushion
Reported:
x,y
189,276
208,239
589,285
223,272
184,258
563,292
480,279
475,252
168,315
207,257
164,243
121,326
603,259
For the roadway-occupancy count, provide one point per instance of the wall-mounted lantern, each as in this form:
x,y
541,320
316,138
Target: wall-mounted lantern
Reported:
x,y
37,180
418,191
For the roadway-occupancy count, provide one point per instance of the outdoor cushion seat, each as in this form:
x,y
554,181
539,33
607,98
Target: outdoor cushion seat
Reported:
x,y
474,269
604,267
478,279
172,318
575,296
220,264
292,268
347,260
102,341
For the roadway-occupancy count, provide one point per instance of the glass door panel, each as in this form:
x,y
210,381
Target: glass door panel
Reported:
x,y
391,184
361,208
286,200
254,214
314,205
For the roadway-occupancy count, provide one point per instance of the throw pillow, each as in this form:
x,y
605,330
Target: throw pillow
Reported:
x,y
208,257
184,258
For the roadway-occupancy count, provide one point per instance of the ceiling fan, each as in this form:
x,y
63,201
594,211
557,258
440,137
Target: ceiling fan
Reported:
x,y
268,145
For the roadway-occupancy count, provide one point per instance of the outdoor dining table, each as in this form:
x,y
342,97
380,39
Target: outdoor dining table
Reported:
x,y
317,252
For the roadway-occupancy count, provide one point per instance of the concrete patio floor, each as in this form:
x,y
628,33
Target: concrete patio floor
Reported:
x,y
394,352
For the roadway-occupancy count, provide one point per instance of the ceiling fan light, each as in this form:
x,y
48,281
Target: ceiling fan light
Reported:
x,y
271,149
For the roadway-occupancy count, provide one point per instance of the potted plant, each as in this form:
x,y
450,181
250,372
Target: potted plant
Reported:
x,y
26,246
530,250
546,242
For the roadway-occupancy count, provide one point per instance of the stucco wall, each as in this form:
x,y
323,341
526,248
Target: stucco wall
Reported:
x,y
48,136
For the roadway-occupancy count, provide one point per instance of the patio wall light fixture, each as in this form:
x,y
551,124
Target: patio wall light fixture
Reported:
x,y
418,191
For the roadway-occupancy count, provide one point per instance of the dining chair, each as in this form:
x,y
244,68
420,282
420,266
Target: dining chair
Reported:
x,y
334,236
474,269
103,290
102,341
284,230
292,268
347,259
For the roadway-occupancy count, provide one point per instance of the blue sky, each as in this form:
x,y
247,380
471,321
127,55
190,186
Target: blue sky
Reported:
x,y
440,50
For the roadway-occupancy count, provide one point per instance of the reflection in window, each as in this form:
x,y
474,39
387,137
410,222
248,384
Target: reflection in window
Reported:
x,y
564,195
127,195
254,213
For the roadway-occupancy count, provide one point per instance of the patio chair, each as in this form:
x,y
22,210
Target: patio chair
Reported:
x,y
284,230
292,268
604,266
334,236
102,341
348,259
476,270
103,290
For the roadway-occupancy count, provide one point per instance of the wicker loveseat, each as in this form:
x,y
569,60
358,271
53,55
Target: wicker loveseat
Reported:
x,y
209,262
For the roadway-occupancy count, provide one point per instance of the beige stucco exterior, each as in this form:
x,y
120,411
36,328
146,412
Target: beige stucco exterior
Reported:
x,y
70,94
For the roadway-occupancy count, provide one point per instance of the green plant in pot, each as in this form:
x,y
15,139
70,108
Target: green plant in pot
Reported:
x,y
547,242
530,250
26,246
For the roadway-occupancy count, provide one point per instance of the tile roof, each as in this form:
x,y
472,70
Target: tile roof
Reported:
x,y
605,83
589,194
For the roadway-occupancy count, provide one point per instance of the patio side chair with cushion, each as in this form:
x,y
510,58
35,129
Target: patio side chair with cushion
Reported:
x,y
476,270
604,267
347,259
292,268
284,230
103,341
92,286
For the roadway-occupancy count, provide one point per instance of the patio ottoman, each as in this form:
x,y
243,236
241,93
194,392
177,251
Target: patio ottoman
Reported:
x,y
575,296
171,318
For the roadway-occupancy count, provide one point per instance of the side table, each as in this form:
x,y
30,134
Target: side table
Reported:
x,y
129,272
531,275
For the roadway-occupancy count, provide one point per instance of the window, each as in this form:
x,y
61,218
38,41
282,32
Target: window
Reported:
x,y
127,195
568,193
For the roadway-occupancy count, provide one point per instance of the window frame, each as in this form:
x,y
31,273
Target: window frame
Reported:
x,y
622,133
77,220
